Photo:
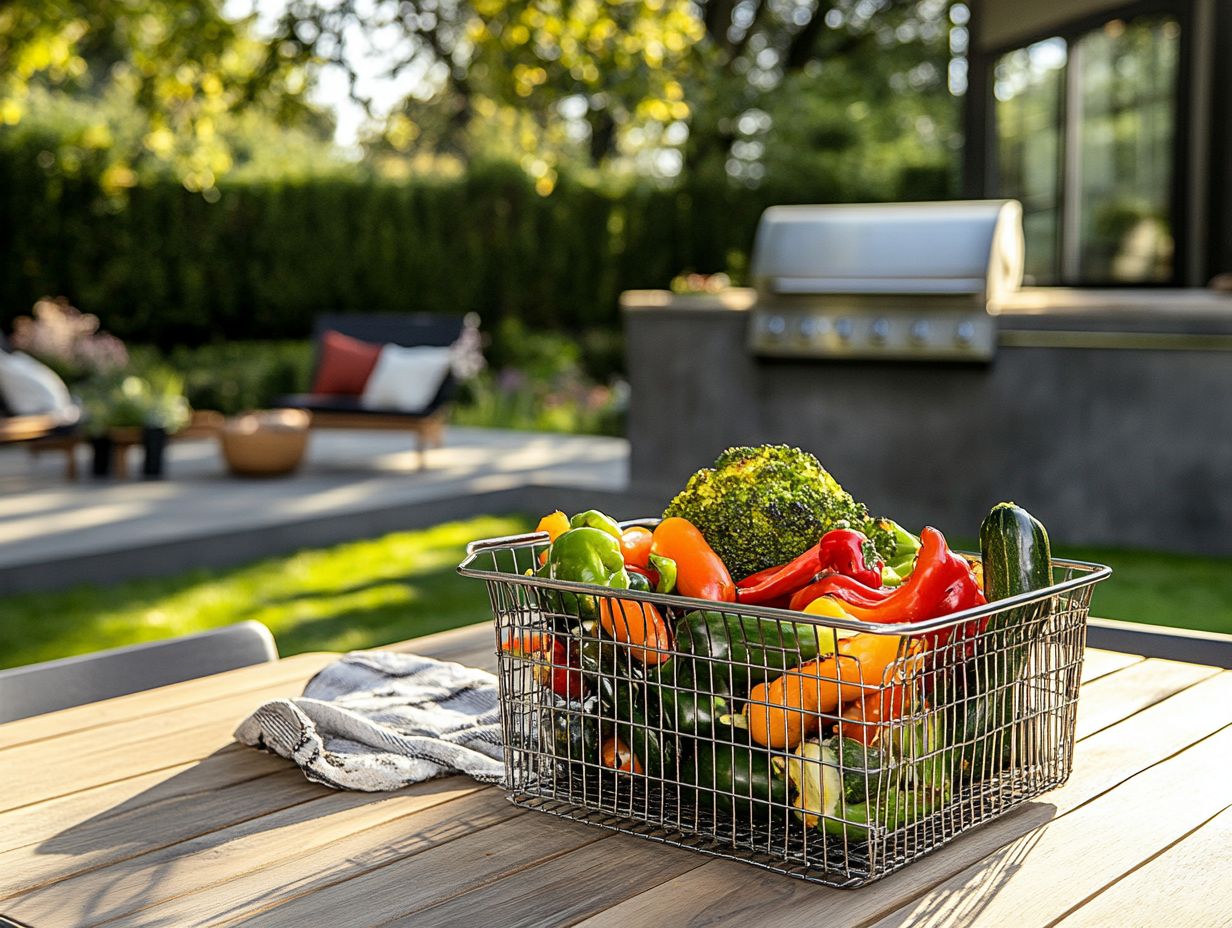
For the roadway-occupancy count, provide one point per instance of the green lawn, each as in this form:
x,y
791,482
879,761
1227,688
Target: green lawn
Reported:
x,y
367,593
355,595
1163,589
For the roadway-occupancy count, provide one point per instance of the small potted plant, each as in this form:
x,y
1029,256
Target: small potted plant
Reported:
x,y
167,412
129,409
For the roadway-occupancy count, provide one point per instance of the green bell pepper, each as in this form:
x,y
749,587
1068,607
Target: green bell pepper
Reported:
x,y
734,775
585,555
593,518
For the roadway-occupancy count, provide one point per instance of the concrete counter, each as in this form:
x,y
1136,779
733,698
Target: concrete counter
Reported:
x,y
1113,430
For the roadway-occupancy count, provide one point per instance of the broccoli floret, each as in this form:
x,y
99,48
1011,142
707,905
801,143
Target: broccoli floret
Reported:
x,y
759,507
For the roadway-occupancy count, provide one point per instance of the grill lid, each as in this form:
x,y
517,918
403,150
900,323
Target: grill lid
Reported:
x,y
965,247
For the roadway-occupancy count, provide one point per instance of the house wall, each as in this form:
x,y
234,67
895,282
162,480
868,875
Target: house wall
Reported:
x,y
1111,436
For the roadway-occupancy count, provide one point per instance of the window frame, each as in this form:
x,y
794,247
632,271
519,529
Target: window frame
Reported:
x,y
1070,31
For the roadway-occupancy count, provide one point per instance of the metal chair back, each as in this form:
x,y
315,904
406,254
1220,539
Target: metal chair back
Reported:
x,y
73,681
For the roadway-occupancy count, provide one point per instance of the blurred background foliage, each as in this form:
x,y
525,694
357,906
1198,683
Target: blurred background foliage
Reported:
x,y
168,166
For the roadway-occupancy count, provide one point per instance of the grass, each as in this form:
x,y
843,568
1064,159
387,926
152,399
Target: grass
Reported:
x,y
367,593
1181,590
356,595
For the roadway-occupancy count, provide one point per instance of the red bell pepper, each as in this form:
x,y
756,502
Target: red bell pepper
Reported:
x,y
783,580
840,551
942,583
558,670
843,588
843,551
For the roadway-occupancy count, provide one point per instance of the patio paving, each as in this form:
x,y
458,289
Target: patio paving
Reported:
x,y
352,485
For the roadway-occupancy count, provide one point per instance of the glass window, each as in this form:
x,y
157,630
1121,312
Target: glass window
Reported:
x,y
1029,85
1086,139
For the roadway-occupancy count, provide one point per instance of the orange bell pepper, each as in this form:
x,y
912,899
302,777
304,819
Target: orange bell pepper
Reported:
x,y
699,571
784,711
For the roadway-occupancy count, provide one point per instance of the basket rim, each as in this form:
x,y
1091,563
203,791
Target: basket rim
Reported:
x,y
1088,574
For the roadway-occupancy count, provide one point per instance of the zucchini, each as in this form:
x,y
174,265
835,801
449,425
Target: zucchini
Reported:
x,y
1016,555
1017,559
862,768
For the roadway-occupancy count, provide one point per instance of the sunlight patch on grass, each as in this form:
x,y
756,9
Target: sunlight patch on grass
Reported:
x,y
355,595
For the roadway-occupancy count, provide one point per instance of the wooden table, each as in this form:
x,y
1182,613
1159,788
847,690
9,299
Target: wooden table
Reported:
x,y
141,811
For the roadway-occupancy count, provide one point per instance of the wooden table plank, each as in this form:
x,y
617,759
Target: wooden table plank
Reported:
x,y
559,892
1111,698
371,895
1097,663
339,856
1182,886
1038,878
96,715
305,844
718,893
33,823
126,749
152,823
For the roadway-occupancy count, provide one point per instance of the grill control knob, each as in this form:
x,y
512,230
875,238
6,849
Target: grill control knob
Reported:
x,y
964,334
776,326
919,332
844,329
810,328
880,331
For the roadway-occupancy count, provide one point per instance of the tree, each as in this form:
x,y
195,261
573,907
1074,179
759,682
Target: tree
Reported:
x,y
155,83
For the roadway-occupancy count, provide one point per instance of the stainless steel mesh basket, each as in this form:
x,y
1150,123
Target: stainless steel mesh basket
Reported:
x,y
973,714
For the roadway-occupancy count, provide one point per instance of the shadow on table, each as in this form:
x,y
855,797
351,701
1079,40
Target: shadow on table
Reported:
x,y
208,810
960,900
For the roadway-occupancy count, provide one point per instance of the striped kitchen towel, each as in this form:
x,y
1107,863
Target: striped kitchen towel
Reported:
x,y
378,720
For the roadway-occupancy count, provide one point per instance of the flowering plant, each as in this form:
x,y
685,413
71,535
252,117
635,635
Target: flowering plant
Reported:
x,y
68,341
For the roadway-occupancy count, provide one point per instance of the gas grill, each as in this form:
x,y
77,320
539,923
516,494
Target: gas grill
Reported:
x,y
911,281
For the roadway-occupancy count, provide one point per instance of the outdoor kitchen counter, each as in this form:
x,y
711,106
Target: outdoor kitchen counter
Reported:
x,y
141,811
1102,412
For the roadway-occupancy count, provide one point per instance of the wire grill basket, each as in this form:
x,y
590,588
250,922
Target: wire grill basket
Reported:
x,y
972,714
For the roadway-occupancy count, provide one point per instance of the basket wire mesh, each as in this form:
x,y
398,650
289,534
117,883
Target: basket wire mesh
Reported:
x,y
971,714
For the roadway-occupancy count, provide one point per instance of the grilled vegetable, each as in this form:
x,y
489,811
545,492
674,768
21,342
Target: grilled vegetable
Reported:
x,y
638,624
736,777
615,754
620,684
718,658
1016,554
699,571
783,712
571,733
763,506
1017,559
823,796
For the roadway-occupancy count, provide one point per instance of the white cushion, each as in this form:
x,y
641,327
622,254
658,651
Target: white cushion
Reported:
x,y
31,388
406,379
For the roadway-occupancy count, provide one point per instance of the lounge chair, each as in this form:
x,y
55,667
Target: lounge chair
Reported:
x,y
333,411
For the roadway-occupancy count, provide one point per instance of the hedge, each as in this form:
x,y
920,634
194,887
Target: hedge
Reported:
x,y
165,266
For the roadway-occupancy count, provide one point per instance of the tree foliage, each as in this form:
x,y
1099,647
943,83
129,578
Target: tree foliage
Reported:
x,y
132,84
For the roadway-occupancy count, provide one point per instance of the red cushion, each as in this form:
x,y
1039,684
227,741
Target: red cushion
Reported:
x,y
345,365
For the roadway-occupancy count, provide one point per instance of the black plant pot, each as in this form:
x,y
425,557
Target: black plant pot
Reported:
x,y
104,452
154,442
